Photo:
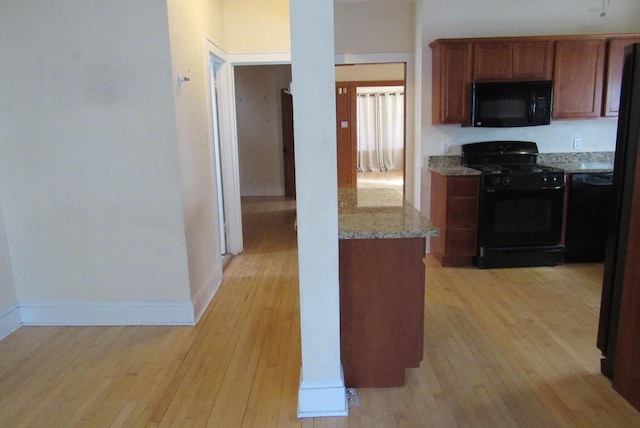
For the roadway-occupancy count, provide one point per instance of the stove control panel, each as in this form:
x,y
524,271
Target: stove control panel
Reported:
x,y
529,181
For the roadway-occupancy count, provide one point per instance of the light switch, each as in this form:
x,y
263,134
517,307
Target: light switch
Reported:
x,y
344,124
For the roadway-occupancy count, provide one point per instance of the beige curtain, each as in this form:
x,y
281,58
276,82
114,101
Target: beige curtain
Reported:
x,y
380,131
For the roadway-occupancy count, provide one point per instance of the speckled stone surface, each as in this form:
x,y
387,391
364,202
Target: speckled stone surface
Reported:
x,y
454,170
444,161
583,167
572,163
380,214
579,157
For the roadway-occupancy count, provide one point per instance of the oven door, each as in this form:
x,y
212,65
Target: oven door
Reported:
x,y
520,218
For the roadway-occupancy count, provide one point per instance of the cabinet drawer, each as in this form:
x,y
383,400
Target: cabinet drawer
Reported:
x,y
462,186
462,210
461,241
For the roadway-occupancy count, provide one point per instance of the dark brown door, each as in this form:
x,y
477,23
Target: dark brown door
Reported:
x,y
287,144
626,372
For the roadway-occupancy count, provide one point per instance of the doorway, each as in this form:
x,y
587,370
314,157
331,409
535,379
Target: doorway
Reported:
x,y
259,98
377,107
259,95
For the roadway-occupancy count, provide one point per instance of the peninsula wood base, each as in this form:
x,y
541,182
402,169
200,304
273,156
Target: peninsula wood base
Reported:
x,y
381,309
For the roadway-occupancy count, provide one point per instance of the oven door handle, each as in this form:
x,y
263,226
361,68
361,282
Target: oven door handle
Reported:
x,y
532,189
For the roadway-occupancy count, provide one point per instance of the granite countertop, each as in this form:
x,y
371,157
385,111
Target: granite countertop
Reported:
x,y
380,214
571,163
454,170
583,167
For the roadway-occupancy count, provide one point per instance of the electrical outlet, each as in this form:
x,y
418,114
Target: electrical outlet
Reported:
x,y
577,143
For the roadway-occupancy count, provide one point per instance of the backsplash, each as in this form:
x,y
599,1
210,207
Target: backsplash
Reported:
x,y
606,157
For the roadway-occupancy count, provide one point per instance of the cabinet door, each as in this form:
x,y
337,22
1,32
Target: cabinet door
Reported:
x,y
492,60
578,78
613,82
451,82
532,60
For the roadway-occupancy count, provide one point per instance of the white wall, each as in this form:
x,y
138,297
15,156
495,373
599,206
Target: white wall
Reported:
x,y
259,118
89,176
9,314
472,18
374,26
369,72
257,26
189,28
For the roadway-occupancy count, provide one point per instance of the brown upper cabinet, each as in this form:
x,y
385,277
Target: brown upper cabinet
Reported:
x,y
520,60
613,80
578,78
583,87
451,80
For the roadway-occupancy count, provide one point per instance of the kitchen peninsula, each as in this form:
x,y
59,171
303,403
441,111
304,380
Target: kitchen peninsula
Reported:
x,y
382,242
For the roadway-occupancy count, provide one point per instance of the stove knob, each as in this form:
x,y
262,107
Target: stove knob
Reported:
x,y
506,181
495,181
554,179
544,179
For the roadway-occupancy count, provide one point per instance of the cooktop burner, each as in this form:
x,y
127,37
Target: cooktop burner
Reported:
x,y
510,165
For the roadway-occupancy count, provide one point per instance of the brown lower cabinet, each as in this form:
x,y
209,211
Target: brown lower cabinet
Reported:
x,y
381,309
454,209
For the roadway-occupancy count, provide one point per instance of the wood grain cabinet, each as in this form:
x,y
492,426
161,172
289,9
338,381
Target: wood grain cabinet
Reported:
x,y
451,82
578,78
454,209
381,309
613,80
586,71
513,60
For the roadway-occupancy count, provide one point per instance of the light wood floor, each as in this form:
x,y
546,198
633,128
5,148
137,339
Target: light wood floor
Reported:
x,y
503,348
381,180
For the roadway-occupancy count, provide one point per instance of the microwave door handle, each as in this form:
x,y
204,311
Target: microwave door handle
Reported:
x,y
532,109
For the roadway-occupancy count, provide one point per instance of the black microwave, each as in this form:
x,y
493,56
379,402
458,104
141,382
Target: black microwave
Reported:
x,y
505,104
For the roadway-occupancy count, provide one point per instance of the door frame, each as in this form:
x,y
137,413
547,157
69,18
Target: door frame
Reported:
x,y
413,102
228,147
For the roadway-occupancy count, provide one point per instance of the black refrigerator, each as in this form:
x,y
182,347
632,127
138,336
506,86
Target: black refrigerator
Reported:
x,y
626,153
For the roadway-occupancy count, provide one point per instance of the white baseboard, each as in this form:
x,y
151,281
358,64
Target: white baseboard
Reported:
x,y
322,399
262,191
204,297
107,313
10,320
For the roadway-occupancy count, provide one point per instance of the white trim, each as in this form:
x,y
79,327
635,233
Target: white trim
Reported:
x,y
10,320
378,58
229,151
107,313
212,47
259,58
207,292
322,398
